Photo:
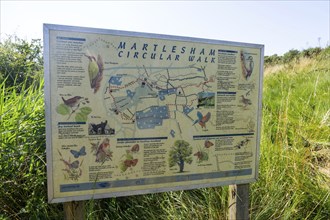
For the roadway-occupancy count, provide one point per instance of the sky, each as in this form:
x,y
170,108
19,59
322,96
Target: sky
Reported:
x,y
279,25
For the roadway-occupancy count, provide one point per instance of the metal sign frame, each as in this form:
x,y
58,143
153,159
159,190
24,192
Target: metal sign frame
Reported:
x,y
103,189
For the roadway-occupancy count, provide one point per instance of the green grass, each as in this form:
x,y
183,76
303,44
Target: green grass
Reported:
x,y
295,106
294,146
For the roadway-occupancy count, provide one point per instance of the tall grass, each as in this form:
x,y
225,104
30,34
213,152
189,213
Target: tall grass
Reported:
x,y
22,152
296,101
294,147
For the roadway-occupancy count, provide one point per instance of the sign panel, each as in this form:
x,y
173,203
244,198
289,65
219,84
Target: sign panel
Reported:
x,y
133,113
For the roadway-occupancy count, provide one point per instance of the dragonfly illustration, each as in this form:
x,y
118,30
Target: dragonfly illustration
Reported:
x,y
201,120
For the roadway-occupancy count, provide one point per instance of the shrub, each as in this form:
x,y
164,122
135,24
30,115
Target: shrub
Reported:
x,y
291,55
20,62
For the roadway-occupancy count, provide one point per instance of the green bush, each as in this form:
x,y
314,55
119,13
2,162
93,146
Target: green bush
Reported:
x,y
272,60
21,62
311,52
294,55
291,55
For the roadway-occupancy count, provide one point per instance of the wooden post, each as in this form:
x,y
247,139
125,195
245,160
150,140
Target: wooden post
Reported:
x,y
74,210
238,202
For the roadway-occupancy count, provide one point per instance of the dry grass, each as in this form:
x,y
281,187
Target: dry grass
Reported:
x,y
273,69
293,67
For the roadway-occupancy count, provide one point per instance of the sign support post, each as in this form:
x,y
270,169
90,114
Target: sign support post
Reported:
x,y
238,202
74,210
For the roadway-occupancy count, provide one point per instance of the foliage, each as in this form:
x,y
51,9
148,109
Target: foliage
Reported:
x,y
272,60
293,55
21,62
311,52
295,130
22,153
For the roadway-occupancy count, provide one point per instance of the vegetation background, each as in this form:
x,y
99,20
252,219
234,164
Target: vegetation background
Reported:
x,y
294,174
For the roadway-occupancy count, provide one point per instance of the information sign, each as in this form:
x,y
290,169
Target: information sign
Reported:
x,y
132,113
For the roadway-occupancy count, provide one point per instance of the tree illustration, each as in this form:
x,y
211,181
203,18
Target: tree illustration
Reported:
x,y
180,154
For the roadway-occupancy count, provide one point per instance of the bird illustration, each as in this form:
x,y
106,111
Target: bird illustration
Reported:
x,y
202,119
102,153
247,66
95,71
245,101
72,102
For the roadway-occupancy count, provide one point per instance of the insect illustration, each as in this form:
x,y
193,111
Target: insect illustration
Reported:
x,y
72,169
208,144
131,163
201,156
95,71
135,148
73,165
81,152
242,143
202,119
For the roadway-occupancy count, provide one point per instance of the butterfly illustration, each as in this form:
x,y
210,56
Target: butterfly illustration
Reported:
x,y
129,163
208,144
73,165
135,148
81,152
202,119
201,156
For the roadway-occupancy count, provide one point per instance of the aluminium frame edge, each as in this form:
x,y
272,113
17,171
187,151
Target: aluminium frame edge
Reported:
x,y
149,191
259,112
148,35
47,100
